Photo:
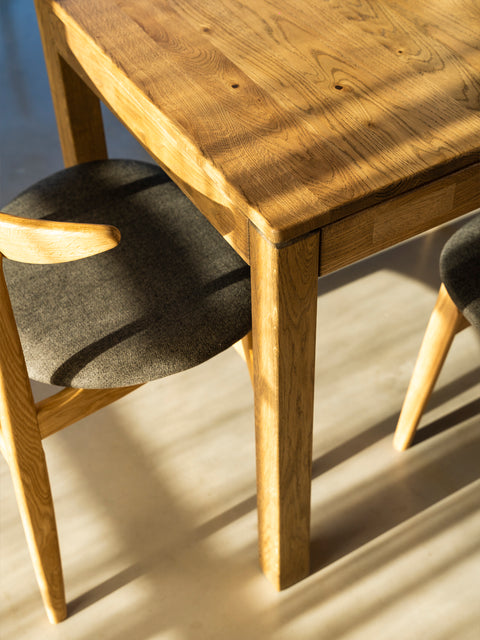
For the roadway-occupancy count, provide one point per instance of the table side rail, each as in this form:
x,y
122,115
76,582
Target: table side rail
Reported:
x,y
384,225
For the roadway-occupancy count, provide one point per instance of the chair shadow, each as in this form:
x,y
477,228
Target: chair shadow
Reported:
x,y
447,422
357,531
387,426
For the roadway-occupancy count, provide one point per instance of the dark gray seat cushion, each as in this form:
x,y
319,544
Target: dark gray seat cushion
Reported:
x,y
170,296
460,269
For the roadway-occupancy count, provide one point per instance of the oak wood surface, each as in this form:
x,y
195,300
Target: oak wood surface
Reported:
x,y
404,216
294,114
284,324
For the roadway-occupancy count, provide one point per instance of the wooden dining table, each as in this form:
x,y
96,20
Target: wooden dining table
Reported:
x,y
311,133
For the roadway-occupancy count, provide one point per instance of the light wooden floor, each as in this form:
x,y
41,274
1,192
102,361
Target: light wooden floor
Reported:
x,y
155,495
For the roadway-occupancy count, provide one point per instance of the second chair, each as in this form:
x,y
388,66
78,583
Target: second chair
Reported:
x,y
457,306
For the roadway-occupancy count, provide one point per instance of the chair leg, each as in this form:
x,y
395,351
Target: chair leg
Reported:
x,y
446,320
32,488
245,350
23,450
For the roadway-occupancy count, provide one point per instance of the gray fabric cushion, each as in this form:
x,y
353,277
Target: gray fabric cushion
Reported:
x,y
170,296
460,269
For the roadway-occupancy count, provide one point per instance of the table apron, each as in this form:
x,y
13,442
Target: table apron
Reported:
x,y
384,225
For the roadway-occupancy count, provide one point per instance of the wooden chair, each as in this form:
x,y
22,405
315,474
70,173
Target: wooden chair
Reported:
x,y
78,311
457,306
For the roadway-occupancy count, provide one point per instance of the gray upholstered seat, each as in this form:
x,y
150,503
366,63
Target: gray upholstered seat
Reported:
x,y
170,296
460,269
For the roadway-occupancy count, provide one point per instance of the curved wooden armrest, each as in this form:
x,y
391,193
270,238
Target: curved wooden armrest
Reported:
x,y
47,242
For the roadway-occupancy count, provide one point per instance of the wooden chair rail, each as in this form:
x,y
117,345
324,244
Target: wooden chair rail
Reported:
x,y
70,405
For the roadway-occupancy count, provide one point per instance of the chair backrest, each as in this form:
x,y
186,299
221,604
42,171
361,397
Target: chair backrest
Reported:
x,y
48,242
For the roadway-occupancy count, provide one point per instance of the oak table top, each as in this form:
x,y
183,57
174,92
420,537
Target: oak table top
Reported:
x,y
311,133
295,112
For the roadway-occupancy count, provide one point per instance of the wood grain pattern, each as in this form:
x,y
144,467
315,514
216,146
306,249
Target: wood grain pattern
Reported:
x,y
23,448
402,217
445,322
285,111
159,135
284,324
47,241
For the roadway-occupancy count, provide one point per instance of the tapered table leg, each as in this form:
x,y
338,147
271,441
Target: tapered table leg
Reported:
x,y
284,294
77,109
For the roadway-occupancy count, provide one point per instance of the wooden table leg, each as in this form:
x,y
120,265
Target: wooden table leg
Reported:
x,y
284,295
77,109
